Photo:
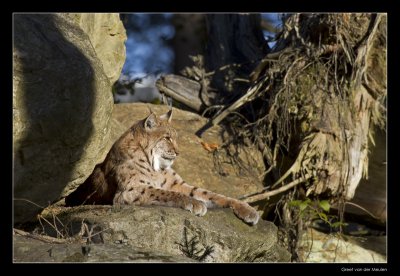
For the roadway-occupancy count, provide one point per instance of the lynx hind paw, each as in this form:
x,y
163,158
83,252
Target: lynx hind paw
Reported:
x,y
196,207
246,213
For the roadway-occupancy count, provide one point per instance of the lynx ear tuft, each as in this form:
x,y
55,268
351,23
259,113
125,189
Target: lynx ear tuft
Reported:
x,y
150,122
167,116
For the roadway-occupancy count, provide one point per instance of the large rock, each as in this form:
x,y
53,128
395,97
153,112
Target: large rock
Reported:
x,y
62,104
107,35
32,250
318,247
173,232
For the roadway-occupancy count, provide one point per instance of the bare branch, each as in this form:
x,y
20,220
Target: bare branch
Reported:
x,y
282,189
249,96
362,208
41,237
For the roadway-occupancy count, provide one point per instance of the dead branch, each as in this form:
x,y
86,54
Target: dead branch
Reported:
x,y
27,200
183,90
362,208
282,189
41,237
249,96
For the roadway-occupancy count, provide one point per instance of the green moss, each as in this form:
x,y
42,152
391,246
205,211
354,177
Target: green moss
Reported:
x,y
156,101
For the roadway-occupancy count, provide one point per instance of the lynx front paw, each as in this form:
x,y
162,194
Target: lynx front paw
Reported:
x,y
196,207
246,212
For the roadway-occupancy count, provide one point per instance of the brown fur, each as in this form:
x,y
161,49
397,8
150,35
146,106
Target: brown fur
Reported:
x,y
133,174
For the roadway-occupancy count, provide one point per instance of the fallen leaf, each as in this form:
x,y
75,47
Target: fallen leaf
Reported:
x,y
210,147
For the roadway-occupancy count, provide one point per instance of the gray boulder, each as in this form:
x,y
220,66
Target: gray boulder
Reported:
x,y
29,250
62,103
219,236
107,35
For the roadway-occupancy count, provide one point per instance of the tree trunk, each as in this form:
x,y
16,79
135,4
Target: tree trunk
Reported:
x,y
235,44
328,96
189,39
235,41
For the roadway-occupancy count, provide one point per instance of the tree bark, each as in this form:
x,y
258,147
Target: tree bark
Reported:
x,y
328,97
189,39
235,40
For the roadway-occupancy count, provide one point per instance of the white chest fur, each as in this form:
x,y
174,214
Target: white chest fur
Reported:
x,y
161,163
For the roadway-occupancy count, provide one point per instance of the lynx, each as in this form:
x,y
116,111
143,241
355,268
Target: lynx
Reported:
x,y
137,171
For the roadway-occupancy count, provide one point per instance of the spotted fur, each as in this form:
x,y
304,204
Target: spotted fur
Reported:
x,y
137,170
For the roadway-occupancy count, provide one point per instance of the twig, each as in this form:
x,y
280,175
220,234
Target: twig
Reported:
x,y
52,226
282,189
280,180
211,107
101,231
362,208
311,246
249,94
41,238
27,200
244,99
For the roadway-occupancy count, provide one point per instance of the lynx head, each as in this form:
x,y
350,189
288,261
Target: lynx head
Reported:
x,y
162,146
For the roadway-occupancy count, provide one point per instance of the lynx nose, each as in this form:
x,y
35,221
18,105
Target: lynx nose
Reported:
x,y
176,152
